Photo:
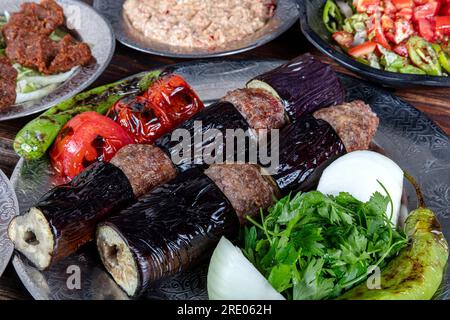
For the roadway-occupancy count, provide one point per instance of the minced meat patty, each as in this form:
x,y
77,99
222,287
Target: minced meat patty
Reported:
x,y
28,43
354,122
8,76
145,166
244,186
258,107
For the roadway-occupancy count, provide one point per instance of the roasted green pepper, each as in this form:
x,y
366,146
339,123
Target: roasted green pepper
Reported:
x,y
417,272
423,56
332,16
444,58
38,135
409,69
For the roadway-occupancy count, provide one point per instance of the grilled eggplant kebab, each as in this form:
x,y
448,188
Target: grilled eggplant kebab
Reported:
x,y
145,167
130,242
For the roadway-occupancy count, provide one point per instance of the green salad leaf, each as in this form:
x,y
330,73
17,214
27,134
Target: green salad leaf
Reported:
x,y
316,246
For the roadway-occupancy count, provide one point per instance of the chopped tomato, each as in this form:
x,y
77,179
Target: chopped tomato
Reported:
x,y
400,4
390,36
387,23
403,30
389,7
405,13
86,138
369,6
363,49
376,33
445,9
401,50
443,25
426,10
426,29
343,38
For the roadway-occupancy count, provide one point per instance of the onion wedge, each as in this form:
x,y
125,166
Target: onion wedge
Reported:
x,y
231,276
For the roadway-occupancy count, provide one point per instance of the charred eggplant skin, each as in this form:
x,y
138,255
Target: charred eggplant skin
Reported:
x,y
220,116
306,148
171,228
73,210
304,85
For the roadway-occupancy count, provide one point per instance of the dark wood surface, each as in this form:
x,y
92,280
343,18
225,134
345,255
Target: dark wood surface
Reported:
x,y
435,102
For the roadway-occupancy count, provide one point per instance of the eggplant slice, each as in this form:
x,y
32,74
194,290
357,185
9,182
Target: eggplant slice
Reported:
x,y
304,84
221,116
306,148
66,217
166,231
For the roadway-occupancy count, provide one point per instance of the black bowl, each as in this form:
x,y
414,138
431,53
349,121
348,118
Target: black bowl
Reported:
x,y
315,31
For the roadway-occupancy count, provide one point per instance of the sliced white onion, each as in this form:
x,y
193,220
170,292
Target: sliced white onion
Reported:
x,y
35,95
358,173
232,277
345,8
53,79
7,15
359,38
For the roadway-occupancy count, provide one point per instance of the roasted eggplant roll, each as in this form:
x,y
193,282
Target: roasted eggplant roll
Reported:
x,y
166,231
66,217
306,148
201,135
303,84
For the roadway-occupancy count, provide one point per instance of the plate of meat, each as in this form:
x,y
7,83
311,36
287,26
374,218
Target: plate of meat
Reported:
x,y
49,50
113,211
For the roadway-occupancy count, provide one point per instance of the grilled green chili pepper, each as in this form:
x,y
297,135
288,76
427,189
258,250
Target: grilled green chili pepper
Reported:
x,y
444,58
417,272
411,70
38,135
423,56
332,16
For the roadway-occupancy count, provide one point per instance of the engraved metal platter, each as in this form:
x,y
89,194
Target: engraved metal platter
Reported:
x,y
286,14
8,209
405,134
87,25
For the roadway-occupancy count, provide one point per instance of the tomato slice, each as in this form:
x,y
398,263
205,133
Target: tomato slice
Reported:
x,y
429,9
343,38
85,139
427,29
387,23
376,32
405,13
389,7
400,4
369,6
363,49
445,9
443,25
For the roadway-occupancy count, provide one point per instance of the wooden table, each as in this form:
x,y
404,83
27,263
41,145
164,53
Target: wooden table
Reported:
x,y
435,102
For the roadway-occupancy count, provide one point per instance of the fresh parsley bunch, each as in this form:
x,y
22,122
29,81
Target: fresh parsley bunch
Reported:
x,y
316,246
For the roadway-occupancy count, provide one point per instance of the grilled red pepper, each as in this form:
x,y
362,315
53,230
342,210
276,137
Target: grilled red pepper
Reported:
x,y
168,102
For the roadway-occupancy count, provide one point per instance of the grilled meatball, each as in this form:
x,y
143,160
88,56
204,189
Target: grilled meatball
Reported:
x,y
244,186
145,166
258,107
354,122
8,76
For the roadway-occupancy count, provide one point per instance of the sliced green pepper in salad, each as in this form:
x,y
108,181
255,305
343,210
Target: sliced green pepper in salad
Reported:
x,y
395,35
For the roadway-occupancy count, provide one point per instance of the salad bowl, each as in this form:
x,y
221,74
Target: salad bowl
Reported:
x,y
313,28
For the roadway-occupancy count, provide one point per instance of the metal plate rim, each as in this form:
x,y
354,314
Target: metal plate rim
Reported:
x,y
7,253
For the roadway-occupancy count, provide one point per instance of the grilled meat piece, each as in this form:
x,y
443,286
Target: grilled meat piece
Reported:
x,y
354,122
